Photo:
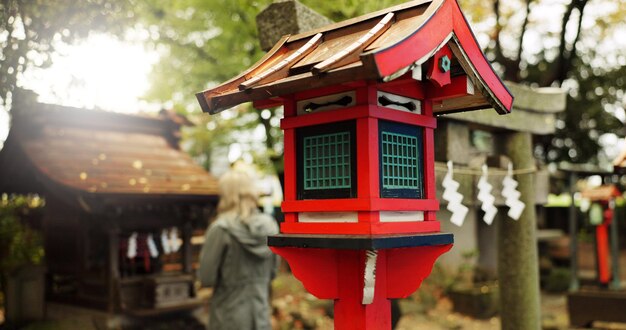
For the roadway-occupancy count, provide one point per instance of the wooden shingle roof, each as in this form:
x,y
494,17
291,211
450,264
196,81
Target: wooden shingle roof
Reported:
x,y
97,152
379,46
601,193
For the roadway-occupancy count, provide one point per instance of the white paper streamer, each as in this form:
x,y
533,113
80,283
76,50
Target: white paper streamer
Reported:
x,y
585,204
165,242
131,252
174,241
512,195
454,198
487,199
152,246
369,281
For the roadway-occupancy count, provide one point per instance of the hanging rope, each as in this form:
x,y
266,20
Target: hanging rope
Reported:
x,y
441,167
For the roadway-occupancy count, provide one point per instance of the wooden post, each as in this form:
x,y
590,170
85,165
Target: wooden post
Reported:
x,y
517,246
602,253
187,254
350,312
113,267
614,239
574,284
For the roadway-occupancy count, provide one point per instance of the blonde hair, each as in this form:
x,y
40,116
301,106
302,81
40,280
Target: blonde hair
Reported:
x,y
238,195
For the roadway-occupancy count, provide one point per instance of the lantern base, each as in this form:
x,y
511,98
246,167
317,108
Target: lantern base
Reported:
x,y
361,273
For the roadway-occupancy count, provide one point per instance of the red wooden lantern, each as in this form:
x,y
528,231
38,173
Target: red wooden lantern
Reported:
x,y
360,99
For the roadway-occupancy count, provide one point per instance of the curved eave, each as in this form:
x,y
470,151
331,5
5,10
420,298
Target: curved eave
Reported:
x,y
219,102
445,21
209,99
418,31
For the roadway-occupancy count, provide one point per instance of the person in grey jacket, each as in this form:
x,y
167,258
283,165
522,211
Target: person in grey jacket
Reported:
x,y
235,259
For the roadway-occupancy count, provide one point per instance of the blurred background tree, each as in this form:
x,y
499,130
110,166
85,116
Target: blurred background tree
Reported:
x,y
30,31
20,245
575,44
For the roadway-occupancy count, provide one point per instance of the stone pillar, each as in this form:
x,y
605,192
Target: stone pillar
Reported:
x,y
518,267
286,17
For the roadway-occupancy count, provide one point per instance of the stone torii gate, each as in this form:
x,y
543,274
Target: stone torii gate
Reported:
x,y
511,245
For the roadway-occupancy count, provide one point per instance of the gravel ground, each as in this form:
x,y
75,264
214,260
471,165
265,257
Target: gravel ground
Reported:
x,y
554,316
290,300
294,308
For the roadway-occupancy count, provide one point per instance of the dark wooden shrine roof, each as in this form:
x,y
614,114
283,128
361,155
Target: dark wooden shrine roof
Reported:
x,y
601,193
96,152
378,46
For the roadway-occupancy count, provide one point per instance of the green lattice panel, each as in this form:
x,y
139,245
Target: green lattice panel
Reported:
x,y
400,161
327,161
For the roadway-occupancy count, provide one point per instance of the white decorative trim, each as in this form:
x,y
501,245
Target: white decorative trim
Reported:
x,y
328,217
416,73
470,86
401,216
321,100
399,99
369,278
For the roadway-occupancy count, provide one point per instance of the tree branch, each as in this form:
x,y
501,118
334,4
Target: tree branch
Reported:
x,y
498,30
567,65
510,66
518,58
563,63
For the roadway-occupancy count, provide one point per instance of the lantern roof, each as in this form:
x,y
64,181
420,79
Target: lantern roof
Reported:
x,y
381,46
